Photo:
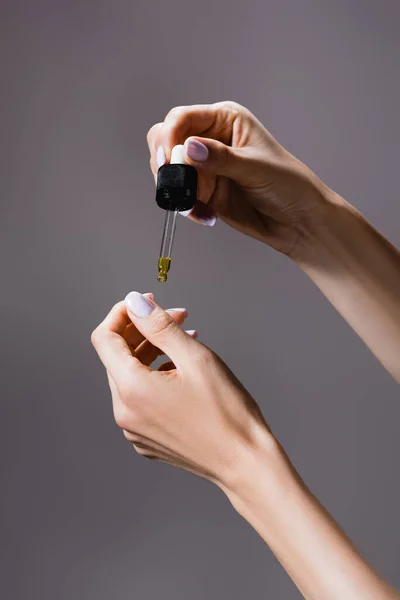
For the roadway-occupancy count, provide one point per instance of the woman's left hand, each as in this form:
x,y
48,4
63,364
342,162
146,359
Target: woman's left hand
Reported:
x,y
192,412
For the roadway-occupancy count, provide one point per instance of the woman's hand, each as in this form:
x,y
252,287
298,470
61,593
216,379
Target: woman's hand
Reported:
x,y
246,177
192,413
251,182
195,415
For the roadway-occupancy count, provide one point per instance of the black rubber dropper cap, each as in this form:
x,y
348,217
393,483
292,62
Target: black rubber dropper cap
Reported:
x,y
176,183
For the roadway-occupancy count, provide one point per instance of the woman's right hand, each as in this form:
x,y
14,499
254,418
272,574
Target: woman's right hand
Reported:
x,y
246,178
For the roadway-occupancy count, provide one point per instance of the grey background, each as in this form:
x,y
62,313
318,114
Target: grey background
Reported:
x,y
83,517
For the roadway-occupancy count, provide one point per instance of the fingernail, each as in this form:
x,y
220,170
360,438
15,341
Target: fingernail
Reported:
x,y
196,150
209,221
149,295
138,305
185,213
181,310
192,333
204,214
160,156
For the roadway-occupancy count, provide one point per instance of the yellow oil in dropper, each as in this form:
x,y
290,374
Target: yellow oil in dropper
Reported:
x,y
164,261
163,268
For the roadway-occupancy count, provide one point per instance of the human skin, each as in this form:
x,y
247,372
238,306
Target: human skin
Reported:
x,y
192,412
247,179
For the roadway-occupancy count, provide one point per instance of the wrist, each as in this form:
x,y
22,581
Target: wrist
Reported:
x,y
332,233
262,470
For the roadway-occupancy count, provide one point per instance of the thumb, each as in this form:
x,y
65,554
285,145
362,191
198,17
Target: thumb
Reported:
x,y
215,158
157,326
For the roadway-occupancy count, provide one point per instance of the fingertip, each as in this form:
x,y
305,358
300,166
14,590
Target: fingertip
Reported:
x,y
204,214
186,213
139,305
161,157
182,311
195,150
192,333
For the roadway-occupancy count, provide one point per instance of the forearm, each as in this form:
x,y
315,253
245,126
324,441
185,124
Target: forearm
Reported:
x,y
316,554
358,270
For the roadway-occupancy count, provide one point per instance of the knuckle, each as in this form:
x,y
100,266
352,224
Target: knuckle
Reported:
x,y
123,417
152,132
126,418
149,135
94,337
233,111
176,112
230,105
177,117
118,306
162,323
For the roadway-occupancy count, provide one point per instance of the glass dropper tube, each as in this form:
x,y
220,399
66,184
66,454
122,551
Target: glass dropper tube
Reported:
x,y
164,260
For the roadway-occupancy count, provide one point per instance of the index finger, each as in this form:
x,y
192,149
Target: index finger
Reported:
x,y
207,120
111,346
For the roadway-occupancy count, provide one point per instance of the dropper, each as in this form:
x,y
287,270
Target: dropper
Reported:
x,y
164,260
176,191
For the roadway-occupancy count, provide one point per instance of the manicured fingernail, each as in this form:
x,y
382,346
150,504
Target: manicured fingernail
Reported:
x,y
138,304
196,150
209,221
192,332
185,213
149,295
160,156
204,214
180,310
